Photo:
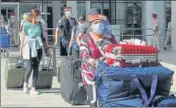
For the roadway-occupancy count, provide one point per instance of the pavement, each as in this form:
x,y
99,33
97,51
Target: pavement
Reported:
x,y
52,97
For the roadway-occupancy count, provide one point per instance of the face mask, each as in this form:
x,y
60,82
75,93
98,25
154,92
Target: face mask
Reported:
x,y
68,13
98,28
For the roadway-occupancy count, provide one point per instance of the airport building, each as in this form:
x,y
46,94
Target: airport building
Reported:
x,y
126,14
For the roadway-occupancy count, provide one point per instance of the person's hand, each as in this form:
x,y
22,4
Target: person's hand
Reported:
x,y
96,63
79,43
93,62
55,43
69,52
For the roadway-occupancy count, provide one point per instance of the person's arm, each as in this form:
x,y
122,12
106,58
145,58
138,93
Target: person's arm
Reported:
x,y
56,36
113,40
80,34
72,37
22,42
22,37
78,38
58,28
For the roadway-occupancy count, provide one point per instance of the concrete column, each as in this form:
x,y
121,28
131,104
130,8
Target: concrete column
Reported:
x,y
56,12
149,7
121,14
173,24
160,10
73,4
88,3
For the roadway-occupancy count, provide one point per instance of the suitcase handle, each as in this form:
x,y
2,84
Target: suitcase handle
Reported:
x,y
49,64
136,84
94,93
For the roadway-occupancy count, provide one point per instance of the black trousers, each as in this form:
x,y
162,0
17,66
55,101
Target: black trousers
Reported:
x,y
63,50
89,91
33,64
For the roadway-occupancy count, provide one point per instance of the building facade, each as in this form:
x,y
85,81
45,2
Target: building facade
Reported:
x,y
127,14
124,13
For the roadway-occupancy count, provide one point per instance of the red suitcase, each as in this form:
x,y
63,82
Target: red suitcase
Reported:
x,y
125,55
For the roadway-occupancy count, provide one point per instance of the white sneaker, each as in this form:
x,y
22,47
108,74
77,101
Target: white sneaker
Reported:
x,y
25,88
33,91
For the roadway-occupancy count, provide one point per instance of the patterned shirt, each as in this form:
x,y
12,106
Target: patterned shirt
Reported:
x,y
90,49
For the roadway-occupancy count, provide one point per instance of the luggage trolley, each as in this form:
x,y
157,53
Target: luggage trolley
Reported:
x,y
5,43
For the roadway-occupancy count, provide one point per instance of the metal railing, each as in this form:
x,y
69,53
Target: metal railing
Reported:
x,y
142,33
128,33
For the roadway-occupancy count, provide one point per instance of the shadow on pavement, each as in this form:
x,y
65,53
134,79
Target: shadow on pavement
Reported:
x,y
52,90
42,91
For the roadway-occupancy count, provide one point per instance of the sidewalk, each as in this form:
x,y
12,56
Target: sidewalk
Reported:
x,y
52,97
16,98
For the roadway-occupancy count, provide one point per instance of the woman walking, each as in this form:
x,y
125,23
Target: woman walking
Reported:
x,y
31,49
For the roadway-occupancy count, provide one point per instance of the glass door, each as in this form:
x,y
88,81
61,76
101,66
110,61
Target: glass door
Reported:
x,y
27,7
8,8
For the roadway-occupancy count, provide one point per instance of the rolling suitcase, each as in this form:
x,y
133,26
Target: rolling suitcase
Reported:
x,y
60,60
5,44
125,55
72,89
14,76
45,76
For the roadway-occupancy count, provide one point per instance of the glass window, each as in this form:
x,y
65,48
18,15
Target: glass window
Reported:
x,y
26,8
81,8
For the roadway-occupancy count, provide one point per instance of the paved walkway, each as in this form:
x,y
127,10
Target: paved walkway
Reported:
x,y
52,97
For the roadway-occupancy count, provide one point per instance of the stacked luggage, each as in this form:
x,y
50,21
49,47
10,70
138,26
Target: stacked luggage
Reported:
x,y
124,82
125,55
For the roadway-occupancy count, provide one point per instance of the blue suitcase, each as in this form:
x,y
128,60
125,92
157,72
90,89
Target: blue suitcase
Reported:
x,y
5,44
5,40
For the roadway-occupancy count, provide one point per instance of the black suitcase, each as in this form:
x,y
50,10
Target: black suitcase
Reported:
x,y
72,89
60,60
45,76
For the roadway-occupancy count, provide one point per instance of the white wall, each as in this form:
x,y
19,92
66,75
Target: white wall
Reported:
x,y
161,10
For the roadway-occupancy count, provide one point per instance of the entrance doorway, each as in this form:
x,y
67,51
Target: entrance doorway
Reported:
x,y
7,8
